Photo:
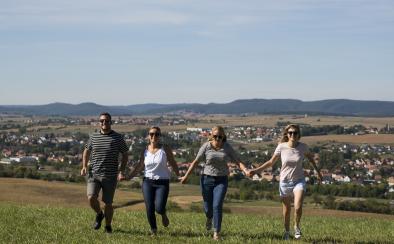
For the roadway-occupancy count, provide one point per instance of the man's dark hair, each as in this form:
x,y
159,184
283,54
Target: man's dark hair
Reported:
x,y
106,114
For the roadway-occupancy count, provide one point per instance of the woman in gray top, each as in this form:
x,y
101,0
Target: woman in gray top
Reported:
x,y
215,153
292,181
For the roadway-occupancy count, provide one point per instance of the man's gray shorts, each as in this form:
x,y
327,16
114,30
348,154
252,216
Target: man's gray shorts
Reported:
x,y
95,184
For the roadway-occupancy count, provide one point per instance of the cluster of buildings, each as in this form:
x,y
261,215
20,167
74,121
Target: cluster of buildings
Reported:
x,y
368,170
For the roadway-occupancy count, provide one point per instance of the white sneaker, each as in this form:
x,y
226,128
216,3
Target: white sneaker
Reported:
x,y
297,233
216,236
286,235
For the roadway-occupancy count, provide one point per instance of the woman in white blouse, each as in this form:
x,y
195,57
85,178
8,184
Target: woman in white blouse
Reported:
x,y
155,186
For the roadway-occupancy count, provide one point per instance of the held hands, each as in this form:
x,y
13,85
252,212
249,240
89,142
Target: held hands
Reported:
x,y
182,179
121,176
249,172
319,178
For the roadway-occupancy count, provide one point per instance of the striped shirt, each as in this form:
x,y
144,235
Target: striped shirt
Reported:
x,y
105,149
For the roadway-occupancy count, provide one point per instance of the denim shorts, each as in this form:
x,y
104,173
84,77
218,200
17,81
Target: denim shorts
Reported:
x,y
286,189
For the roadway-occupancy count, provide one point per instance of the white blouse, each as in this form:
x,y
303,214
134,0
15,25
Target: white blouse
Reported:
x,y
156,165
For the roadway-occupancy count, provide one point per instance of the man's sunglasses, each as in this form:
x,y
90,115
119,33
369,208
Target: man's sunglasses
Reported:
x,y
102,121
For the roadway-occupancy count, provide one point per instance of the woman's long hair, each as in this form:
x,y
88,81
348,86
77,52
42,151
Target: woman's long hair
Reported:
x,y
285,138
221,132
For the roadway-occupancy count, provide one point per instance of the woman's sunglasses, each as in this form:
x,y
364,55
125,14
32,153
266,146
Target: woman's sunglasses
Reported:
x,y
295,133
157,134
217,137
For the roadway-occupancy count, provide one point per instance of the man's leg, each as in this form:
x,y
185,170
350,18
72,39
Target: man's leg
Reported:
x,y
109,186
108,212
93,189
94,204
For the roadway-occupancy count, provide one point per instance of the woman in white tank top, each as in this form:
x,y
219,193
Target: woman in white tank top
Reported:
x,y
156,183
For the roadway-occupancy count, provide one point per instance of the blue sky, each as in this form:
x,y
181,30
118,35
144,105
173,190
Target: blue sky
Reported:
x,y
180,51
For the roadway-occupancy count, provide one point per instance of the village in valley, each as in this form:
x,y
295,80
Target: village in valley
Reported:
x,y
54,145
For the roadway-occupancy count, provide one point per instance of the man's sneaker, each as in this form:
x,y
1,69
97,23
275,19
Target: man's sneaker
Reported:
x,y
108,229
286,235
208,224
297,233
97,222
164,220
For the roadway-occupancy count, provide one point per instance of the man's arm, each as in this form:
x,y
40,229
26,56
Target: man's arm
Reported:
x,y
85,160
125,159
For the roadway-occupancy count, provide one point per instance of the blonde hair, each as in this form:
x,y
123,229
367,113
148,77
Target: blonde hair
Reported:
x,y
220,129
296,127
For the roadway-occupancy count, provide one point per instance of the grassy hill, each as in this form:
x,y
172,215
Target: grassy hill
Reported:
x,y
35,224
35,211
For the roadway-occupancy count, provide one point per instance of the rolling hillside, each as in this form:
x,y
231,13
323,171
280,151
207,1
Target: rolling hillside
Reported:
x,y
247,106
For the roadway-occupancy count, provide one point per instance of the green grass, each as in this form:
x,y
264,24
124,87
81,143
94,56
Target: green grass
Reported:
x,y
32,224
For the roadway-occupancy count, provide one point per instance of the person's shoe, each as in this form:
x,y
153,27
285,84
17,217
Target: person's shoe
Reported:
x,y
153,232
297,233
286,235
216,236
97,222
165,220
208,224
108,229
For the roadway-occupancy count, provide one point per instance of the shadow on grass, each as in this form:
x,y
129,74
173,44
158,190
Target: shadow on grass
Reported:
x,y
262,236
126,204
131,232
208,234
333,240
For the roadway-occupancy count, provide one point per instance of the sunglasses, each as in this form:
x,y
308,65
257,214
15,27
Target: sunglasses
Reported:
x,y
157,134
102,121
295,133
217,137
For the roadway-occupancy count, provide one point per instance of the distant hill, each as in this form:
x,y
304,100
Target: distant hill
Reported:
x,y
343,107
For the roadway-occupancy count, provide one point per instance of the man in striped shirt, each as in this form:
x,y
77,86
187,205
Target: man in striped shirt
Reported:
x,y
103,149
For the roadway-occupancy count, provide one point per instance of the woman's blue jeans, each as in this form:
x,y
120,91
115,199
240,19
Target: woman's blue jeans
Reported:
x,y
155,196
214,190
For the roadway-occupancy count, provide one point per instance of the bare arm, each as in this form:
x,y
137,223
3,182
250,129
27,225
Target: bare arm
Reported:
x,y
85,160
313,162
171,160
140,165
189,170
125,158
267,164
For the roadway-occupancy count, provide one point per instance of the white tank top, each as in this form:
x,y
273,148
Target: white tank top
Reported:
x,y
156,165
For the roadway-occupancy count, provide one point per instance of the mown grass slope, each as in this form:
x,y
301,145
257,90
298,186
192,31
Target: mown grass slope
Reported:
x,y
38,224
